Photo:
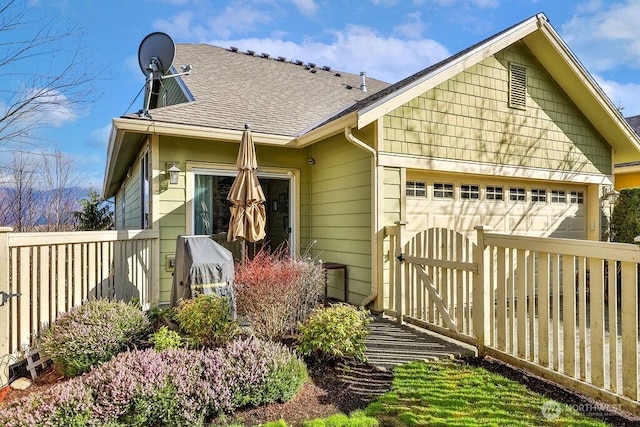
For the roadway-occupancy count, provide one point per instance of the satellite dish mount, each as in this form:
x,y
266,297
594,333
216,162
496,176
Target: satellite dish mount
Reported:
x,y
155,56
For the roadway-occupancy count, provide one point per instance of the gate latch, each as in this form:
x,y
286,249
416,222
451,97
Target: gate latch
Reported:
x,y
4,297
400,257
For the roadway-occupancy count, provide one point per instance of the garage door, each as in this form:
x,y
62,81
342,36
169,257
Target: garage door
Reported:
x,y
509,206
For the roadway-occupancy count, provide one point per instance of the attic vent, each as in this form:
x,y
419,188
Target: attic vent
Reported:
x,y
234,49
299,62
326,68
281,58
349,87
517,86
314,71
251,52
312,65
337,74
265,55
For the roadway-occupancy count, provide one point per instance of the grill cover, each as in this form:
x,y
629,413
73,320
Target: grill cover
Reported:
x,y
202,266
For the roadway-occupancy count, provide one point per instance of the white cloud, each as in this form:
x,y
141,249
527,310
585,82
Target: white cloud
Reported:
x,y
49,108
354,49
234,19
413,27
306,7
605,38
100,137
482,4
626,95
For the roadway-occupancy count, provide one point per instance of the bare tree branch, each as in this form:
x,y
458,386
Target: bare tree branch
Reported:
x,y
50,90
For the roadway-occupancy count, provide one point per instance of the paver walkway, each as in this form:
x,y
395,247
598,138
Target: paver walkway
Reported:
x,y
390,344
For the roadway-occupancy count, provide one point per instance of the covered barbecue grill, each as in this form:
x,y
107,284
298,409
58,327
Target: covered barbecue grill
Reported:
x,y
202,266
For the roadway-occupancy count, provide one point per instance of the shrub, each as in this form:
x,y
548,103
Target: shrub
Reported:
x,y
165,339
93,333
65,404
335,332
275,291
207,320
170,388
159,317
267,372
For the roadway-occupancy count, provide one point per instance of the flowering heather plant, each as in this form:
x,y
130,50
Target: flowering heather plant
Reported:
x,y
275,291
65,404
169,388
93,333
286,372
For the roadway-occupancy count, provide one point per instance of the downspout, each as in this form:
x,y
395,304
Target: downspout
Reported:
x,y
374,212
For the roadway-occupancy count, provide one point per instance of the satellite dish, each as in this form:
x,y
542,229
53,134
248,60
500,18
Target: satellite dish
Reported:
x,y
156,54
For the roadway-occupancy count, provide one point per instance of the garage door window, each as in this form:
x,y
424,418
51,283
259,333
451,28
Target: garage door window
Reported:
x,y
416,189
517,194
576,197
538,195
494,193
443,191
469,192
558,196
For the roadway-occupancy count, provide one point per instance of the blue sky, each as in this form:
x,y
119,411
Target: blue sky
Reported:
x,y
389,39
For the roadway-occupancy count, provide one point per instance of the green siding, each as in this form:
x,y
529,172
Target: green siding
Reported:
x,y
174,94
392,213
173,208
132,208
468,118
341,209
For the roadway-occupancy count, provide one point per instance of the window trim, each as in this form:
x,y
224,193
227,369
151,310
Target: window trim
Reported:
x,y
410,186
194,167
518,194
559,194
472,192
447,191
490,195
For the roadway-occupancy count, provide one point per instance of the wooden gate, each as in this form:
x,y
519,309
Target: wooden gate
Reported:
x,y
433,283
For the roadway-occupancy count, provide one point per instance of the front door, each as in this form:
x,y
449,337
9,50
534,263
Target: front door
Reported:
x,y
212,214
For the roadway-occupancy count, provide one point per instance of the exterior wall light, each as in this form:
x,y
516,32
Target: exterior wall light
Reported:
x,y
174,172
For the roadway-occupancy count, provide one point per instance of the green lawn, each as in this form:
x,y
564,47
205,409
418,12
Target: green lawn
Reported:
x,y
456,394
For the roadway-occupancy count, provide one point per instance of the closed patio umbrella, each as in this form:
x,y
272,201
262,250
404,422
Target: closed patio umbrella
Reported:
x,y
248,215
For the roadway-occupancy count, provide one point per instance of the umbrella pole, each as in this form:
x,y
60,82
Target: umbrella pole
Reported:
x,y
243,251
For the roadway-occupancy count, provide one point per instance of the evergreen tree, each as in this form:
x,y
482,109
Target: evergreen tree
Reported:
x,y
95,214
625,219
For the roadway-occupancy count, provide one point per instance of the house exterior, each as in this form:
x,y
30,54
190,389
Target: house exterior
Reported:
x,y
512,132
627,174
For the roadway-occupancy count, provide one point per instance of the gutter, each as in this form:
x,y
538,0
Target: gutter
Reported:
x,y
374,211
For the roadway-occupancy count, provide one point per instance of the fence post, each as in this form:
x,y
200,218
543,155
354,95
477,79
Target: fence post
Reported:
x,y
399,279
4,287
481,290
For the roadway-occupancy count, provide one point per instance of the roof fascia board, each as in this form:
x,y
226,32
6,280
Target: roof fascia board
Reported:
x,y
503,171
327,130
407,93
626,169
115,141
591,85
198,132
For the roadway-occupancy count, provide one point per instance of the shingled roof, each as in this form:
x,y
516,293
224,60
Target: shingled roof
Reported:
x,y
634,122
276,96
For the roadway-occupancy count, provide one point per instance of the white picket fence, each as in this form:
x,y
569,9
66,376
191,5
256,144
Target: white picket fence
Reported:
x,y
564,309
